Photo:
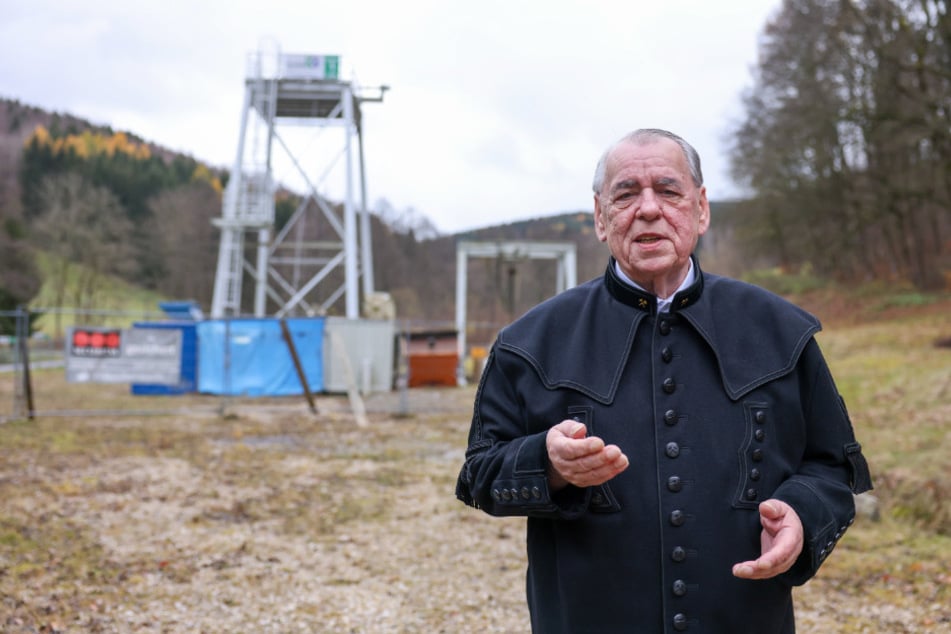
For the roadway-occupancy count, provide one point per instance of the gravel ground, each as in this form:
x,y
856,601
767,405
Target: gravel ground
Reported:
x,y
269,519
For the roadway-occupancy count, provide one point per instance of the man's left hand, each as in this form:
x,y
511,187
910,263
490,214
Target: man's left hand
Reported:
x,y
781,541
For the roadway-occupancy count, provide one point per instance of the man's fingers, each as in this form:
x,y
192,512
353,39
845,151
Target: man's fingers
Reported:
x,y
762,568
578,430
745,570
570,429
579,459
765,567
594,468
574,448
782,542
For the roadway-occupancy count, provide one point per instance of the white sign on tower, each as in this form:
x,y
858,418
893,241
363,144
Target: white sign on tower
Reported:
x,y
310,66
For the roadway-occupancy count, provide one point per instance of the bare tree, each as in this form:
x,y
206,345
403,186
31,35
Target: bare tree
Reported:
x,y
845,142
86,229
183,240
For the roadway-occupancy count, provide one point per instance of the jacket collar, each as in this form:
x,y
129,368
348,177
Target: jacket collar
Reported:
x,y
642,300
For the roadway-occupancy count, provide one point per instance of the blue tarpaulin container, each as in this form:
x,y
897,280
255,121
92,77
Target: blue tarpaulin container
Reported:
x,y
182,310
189,369
249,357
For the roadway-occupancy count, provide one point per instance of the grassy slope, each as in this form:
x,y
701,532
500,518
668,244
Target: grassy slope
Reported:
x,y
897,384
125,303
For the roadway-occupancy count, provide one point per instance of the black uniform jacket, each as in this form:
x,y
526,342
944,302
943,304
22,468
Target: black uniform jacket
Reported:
x,y
719,404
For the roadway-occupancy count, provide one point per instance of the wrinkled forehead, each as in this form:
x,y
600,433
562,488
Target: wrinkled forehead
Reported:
x,y
655,155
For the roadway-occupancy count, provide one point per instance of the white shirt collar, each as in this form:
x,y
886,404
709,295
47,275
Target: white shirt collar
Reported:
x,y
663,303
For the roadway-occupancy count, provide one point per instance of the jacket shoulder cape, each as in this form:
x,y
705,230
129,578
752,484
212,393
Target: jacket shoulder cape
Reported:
x,y
591,321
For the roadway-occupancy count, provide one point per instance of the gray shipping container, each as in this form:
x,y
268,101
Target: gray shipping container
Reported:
x,y
361,351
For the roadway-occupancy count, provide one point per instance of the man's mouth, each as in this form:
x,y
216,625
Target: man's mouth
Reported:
x,y
648,239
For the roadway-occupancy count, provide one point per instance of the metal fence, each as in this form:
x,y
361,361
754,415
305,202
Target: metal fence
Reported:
x,y
33,368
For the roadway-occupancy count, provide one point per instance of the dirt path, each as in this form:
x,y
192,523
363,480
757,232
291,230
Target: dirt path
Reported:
x,y
269,520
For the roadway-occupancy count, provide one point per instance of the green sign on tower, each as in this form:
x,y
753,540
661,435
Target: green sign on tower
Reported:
x,y
331,66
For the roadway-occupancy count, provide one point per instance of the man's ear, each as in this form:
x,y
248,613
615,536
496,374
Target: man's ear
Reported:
x,y
703,220
600,229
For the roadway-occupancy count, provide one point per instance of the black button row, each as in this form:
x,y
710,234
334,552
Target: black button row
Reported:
x,y
513,494
759,434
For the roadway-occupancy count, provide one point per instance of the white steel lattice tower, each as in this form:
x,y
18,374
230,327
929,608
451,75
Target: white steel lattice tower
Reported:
x,y
293,90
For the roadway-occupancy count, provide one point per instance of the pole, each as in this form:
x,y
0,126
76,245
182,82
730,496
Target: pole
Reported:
x,y
285,331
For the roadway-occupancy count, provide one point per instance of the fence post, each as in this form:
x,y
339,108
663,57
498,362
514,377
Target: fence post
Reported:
x,y
23,389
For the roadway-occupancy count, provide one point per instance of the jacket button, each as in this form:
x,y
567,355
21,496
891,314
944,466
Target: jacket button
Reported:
x,y
526,494
759,435
672,450
496,494
754,474
664,327
669,385
679,588
760,416
536,493
674,484
597,498
680,622
678,554
666,354
757,455
751,494
670,417
677,517
506,495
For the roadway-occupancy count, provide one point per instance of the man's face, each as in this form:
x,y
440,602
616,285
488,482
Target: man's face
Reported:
x,y
650,213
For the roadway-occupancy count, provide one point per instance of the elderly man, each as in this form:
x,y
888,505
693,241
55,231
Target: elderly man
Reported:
x,y
675,438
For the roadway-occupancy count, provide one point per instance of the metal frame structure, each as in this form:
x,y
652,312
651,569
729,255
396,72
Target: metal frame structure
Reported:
x,y
293,90
565,277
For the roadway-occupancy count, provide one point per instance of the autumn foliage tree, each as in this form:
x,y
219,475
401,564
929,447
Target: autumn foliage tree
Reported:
x,y
147,208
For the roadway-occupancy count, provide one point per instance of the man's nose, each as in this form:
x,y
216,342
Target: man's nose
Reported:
x,y
649,207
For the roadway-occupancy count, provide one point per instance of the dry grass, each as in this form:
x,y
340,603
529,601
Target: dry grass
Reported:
x,y
257,516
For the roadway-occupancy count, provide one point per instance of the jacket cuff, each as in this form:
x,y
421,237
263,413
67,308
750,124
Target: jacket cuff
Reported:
x,y
821,529
526,490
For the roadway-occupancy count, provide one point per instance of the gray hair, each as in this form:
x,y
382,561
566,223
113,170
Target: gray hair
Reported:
x,y
646,135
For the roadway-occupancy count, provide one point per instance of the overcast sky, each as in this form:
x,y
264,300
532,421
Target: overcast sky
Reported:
x,y
497,109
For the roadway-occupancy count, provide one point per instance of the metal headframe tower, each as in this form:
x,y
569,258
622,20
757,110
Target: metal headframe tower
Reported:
x,y
566,274
283,90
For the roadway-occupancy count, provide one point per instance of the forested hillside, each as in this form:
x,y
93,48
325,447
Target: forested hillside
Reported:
x,y
104,203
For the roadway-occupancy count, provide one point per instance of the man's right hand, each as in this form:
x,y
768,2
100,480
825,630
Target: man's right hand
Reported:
x,y
580,460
